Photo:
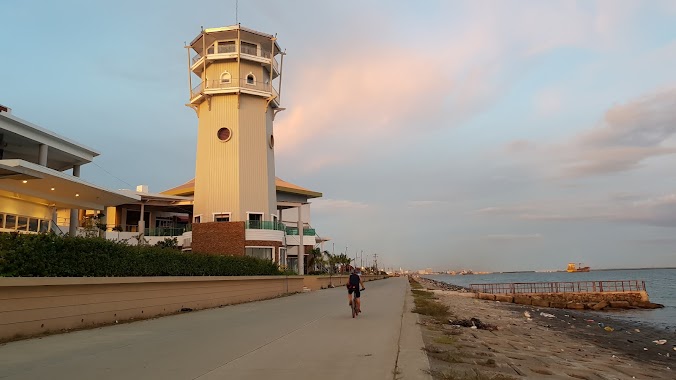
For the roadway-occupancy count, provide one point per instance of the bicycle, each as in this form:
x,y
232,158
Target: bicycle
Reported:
x,y
355,311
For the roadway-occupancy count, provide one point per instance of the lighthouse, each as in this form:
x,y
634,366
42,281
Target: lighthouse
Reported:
x,y
235,78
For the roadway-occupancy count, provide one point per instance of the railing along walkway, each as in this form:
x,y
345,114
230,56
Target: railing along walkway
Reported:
x,y
561,287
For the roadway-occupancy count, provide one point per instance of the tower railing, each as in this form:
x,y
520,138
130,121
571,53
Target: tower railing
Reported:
x,y
232,48
215,84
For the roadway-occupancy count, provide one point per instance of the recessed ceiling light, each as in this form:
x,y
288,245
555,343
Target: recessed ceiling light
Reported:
x,y
77,195
52,189
24,181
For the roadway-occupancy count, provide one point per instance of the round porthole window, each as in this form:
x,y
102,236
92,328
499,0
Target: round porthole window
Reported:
x,y
224,134
272,141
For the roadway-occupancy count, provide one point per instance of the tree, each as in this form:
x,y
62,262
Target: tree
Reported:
x,y
313,259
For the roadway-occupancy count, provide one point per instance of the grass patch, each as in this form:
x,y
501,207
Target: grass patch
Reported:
x,y
431,308
414,284
445,340
447,357
423,294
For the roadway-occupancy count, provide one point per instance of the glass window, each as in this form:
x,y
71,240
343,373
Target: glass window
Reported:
x,y
221,217
33,224
44,226
249,48
22,223
259,252
10,222
226,47
197,219
250,79
282,255
255,221
2,220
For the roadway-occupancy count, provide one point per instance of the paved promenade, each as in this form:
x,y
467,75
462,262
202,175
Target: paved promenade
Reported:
x,y
310,335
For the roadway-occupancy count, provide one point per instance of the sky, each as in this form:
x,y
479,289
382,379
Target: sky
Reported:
x,y
483,135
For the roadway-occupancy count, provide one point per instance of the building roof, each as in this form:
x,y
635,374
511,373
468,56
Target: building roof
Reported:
x,y
21,139
188,189
30,181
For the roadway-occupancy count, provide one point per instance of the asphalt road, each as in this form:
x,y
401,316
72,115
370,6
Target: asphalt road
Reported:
x,y
309,335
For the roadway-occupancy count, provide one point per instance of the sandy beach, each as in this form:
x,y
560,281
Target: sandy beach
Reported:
x,y
542,343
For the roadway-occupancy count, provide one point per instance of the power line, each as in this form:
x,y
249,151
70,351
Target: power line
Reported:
x,y
114,176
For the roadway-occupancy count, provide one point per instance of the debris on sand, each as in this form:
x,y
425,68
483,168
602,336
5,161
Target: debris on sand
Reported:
x,y
473,323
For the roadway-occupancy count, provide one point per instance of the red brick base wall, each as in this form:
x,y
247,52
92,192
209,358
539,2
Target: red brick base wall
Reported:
x,y
219,238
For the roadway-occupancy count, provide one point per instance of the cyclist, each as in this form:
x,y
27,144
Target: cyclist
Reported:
x,y
353,285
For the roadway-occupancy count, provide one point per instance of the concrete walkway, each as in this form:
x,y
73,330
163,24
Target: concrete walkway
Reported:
x,y
310,335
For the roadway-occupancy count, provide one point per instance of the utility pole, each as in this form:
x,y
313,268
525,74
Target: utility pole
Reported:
x,y
375,261
362,258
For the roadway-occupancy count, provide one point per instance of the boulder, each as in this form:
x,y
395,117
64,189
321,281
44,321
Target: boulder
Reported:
x,y
540,302
523,300
619,304
648,305
558,304
487,296
575,306
600,305
504,298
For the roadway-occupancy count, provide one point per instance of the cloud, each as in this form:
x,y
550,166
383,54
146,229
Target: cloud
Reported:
x,y
627,136
376,93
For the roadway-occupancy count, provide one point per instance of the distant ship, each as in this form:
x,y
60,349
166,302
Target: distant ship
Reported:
x,y
576,268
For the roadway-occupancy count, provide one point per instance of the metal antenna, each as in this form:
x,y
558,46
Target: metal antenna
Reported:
x,y
236,11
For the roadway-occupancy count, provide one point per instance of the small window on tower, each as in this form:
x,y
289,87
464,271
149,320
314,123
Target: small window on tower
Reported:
x,y
198,218
226,77
250,79
224,134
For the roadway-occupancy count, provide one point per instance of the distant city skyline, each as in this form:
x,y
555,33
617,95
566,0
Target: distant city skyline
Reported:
x,y
497,136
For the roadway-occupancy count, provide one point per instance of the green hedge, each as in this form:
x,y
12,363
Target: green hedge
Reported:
x,y
48,255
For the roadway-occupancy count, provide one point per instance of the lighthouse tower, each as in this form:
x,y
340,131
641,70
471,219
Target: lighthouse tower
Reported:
x,y
234,81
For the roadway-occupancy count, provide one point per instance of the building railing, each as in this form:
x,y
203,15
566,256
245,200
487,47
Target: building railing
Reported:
x,y
306,231
164,231
243,83
561,287
264,225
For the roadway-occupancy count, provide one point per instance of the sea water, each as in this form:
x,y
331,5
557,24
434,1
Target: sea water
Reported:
x,y
660,285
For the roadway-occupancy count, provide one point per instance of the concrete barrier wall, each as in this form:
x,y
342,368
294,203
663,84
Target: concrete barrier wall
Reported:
x,y
572,300
32,306
323,282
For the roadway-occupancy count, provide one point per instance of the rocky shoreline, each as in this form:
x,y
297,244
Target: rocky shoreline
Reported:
x,y
538,343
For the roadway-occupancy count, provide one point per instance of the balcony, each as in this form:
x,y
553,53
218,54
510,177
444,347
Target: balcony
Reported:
x,y
233,86
222,51
264,225
306,231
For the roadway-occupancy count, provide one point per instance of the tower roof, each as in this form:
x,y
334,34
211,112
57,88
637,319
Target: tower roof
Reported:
x,y
188,189
230,32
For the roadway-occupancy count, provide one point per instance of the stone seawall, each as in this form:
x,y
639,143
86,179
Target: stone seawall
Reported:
x,y
583,300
